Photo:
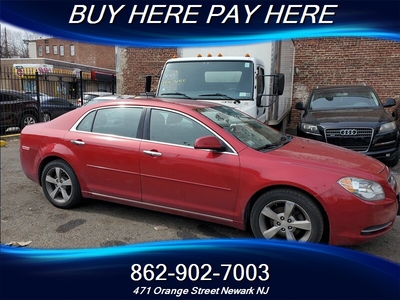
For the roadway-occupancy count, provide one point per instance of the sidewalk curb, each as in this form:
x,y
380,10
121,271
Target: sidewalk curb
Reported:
x,y
5,138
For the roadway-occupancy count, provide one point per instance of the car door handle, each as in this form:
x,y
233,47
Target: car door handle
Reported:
x,y
78,142
152,153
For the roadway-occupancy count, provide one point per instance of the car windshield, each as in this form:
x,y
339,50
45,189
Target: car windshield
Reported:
x,y
343,98
245,128
219,80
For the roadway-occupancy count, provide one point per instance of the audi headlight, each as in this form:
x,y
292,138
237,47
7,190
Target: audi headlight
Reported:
x,y
362,188
388,127
309,128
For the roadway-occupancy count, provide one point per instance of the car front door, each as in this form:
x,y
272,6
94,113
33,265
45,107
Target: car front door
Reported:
x,y
105,143
176,175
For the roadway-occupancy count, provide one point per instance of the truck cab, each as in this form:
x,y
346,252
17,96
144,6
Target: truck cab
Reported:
x,y
228,80
260,85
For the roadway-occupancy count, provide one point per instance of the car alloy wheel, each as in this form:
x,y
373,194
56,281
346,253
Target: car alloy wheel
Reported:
x,y
286,214
28,119
60,184
46,117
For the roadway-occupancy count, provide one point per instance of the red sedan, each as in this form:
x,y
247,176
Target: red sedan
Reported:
x,y
214,163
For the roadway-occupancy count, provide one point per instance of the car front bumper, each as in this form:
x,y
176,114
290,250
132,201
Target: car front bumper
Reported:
x,y
380,148
354,221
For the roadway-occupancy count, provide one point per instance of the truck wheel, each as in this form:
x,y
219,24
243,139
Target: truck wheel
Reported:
x,y
27,119
60,184
288,215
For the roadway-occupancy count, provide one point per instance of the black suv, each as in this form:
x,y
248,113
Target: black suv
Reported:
x,y
352,117
17,110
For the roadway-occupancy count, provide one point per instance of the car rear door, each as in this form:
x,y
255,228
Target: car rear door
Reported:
x,y
176,175
106,145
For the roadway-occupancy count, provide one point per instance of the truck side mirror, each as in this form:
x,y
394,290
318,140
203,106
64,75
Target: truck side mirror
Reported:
x,y
279,84
148,84
299,106
258,101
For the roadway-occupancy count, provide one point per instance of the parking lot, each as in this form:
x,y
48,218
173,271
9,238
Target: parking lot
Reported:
x,y
27,217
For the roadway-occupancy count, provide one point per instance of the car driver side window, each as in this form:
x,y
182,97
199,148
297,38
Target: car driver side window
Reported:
x,y
173,128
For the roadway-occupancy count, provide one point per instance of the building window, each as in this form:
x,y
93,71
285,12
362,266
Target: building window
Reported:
x,y
61,50
40,50
47,49
55,50
72,50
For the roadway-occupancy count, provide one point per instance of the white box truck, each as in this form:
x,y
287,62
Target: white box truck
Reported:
x,y
255,78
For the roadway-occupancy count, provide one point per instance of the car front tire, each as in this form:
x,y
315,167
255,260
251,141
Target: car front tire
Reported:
x,y
287,215
394,161
60,184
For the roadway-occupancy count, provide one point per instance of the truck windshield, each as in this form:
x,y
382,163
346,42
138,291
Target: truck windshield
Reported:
x,y
208,80
245,128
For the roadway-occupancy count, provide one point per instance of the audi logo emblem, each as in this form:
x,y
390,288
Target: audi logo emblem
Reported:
x,y
348,132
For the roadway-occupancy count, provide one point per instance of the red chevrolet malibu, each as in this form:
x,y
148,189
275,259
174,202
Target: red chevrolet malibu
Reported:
x,y
214,163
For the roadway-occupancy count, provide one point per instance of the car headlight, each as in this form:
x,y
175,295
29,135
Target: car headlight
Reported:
x,y
362,188
388,127
309,128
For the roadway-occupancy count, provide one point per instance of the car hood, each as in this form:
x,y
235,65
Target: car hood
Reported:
x,y
375,116
320,155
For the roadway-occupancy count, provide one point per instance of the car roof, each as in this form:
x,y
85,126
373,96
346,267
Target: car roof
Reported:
x,y
13,92
165,103
17,93
98,93
65,121
106,97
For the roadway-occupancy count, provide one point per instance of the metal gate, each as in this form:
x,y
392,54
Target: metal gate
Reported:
x,y
44,95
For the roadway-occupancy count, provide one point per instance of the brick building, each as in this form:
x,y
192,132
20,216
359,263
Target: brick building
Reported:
x,y
346,61
73,52
319,62
135,63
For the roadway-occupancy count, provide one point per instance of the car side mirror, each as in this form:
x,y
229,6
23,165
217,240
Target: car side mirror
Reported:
x,y
299,106
389,102
208,142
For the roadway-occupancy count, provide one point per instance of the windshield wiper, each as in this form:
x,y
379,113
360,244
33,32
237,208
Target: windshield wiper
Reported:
x,y
219,95
176,94
282,141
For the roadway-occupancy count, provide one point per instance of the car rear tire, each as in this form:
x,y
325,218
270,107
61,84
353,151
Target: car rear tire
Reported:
x,y
28,119
60,184
287,215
